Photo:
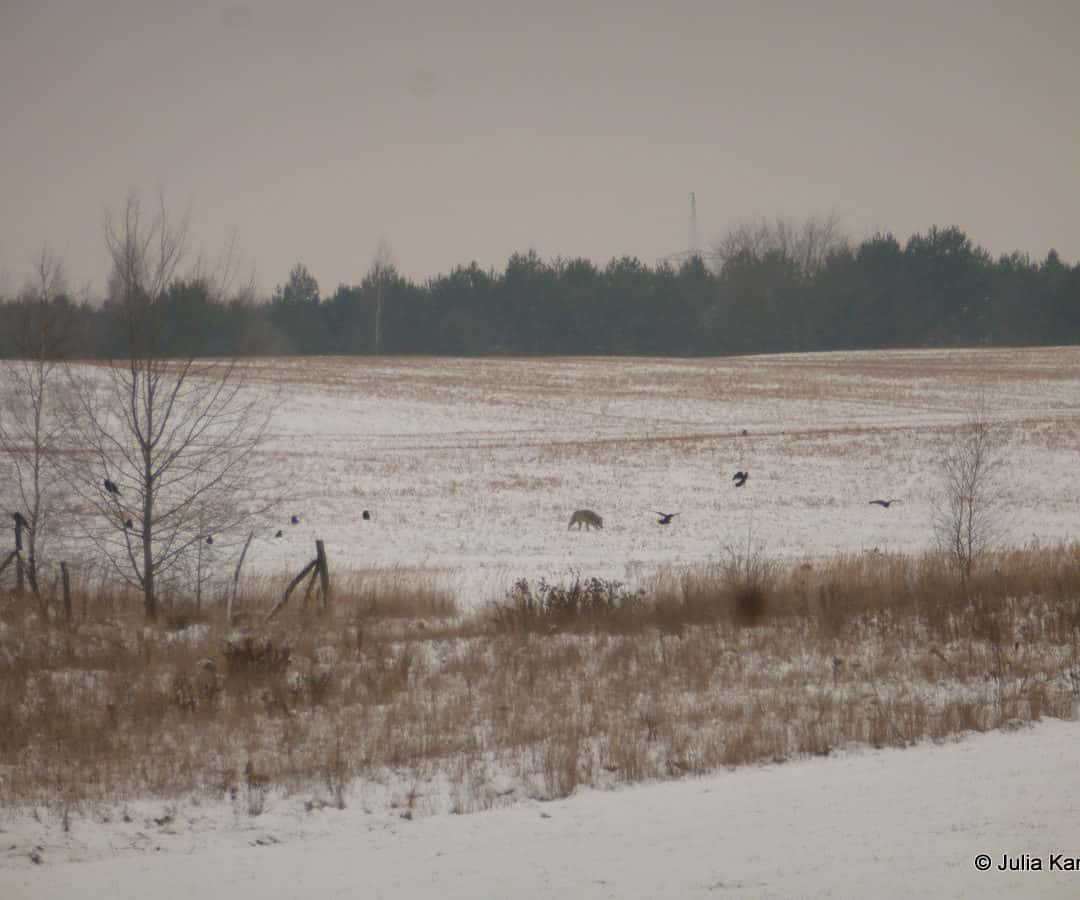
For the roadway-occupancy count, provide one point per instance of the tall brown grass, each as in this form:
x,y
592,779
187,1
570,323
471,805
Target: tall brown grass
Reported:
x,y
584,682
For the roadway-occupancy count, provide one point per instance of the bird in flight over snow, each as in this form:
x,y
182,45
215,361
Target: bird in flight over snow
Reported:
x,y
740,478
665,518
884,504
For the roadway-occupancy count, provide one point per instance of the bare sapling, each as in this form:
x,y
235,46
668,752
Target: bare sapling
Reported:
x,y
969,508
169,443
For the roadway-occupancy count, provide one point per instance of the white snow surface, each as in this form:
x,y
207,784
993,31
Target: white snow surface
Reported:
x,y
890,823
471,468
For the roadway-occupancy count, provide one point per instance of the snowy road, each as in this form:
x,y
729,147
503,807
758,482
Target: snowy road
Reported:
x,y
896,823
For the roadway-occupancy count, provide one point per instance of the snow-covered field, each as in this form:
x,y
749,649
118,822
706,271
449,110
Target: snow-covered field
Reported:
x,y
894,823
471,468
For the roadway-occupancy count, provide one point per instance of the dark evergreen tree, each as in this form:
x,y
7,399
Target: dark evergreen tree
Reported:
x,y
294,312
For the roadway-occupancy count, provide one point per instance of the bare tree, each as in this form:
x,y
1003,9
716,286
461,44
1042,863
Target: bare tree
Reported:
x,y
170,441
969,510
30,420
807,245
747,238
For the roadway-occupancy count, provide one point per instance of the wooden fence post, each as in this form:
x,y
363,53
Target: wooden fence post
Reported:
x,y
66,582
317,568
19,576
324,573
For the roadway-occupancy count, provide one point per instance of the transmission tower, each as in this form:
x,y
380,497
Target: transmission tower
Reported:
x,y
694,248
693,225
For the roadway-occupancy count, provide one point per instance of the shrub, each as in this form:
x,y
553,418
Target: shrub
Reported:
x,y
591,602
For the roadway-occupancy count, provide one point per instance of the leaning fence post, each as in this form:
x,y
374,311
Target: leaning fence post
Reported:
x,y
292,584
8,559
311,583
236,580
317,567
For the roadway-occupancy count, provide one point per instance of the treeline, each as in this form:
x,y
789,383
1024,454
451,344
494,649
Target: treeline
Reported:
x,y
764,289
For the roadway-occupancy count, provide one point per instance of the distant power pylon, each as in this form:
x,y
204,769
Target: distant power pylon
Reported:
x,y
694,248
693,225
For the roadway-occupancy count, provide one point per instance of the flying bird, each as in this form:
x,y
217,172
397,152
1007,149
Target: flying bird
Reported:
x,y
366,516
665,518
884,504
111,487
295,520
740,478
279,534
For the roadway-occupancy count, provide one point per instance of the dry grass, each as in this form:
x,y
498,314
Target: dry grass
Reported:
x,y
560,685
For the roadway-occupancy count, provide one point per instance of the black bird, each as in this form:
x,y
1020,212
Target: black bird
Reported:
x,y
129,524
279,534
665,518
366,516
745,432
295,520
210,539
884,504
740,478
111,487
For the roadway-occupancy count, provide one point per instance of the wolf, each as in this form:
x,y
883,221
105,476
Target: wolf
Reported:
x,y
586,517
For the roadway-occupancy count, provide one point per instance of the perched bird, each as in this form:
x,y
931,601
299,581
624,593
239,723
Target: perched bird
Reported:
x,y
295,520
665,518
210,539
279,534
740,478
111,487
366,516
884,504
129,524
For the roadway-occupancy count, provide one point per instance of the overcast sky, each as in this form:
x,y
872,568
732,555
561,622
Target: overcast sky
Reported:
x,y
468,130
